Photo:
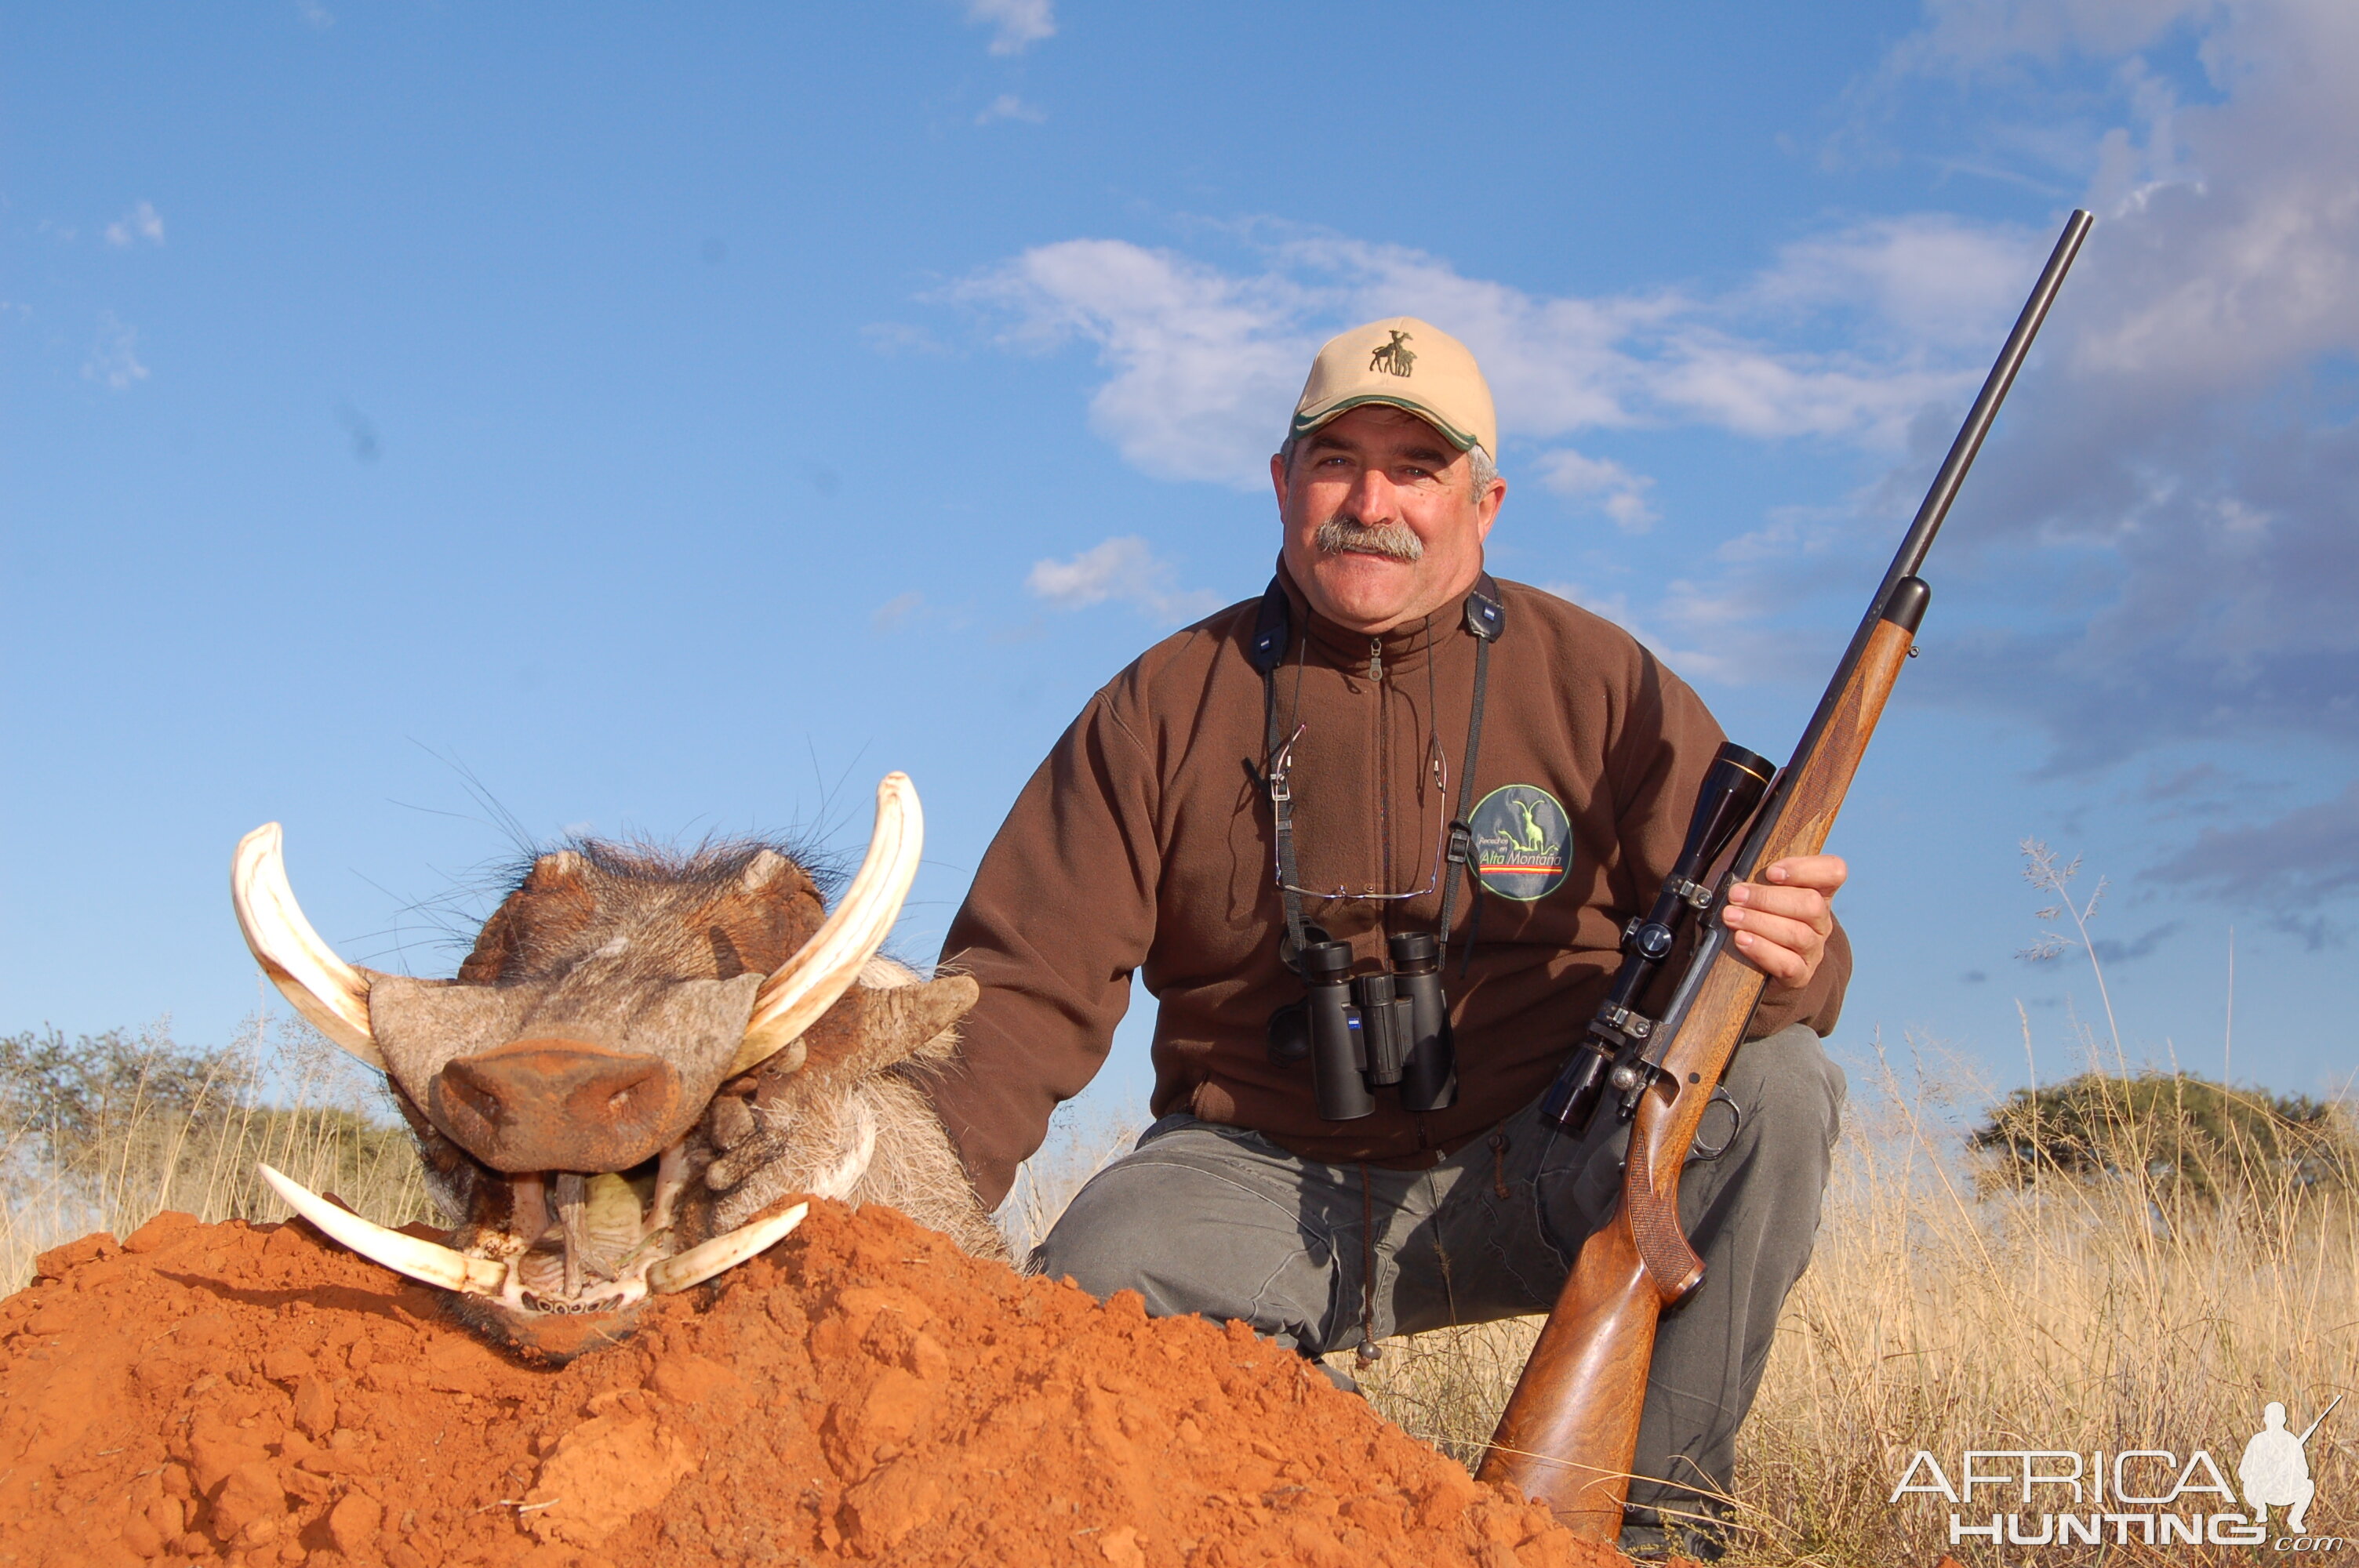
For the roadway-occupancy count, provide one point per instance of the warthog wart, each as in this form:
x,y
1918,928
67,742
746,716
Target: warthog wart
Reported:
x,y
642,1057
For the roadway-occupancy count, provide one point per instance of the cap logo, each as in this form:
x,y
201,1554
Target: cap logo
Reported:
x,y
1395,356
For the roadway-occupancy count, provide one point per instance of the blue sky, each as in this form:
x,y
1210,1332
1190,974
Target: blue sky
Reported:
x,y
424,420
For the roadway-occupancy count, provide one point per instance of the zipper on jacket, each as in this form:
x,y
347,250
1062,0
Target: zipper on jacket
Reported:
x,y
1375,658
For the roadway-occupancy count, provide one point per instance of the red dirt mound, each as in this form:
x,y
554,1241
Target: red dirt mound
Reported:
x,y
254,1394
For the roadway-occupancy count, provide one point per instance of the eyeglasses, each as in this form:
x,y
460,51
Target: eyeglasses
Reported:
x,y
1281,794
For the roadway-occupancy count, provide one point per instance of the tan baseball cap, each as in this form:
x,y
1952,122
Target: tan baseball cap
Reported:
x,y
1409,364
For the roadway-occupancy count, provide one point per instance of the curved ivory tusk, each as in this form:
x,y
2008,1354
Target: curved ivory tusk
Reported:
x,y
839,1182
808,984
324,987
706,1259
421,1261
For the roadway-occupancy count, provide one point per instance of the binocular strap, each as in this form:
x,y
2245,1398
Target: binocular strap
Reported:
x,y
1484,619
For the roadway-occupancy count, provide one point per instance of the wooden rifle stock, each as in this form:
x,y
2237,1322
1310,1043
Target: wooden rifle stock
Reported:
x,y
1571,1429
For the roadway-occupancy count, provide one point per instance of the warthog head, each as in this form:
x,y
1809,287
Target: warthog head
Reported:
x,y
640,1057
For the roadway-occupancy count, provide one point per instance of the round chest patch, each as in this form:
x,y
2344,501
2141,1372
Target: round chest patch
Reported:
x,y
1523,842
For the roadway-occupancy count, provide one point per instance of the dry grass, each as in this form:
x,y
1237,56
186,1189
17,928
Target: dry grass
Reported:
x,y
163,1136
2187,1258
1945,1309
2076,1314
1943,1314
1080,1143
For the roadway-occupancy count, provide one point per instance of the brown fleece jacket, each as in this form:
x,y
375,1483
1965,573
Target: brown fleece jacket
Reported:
x,y
1144,843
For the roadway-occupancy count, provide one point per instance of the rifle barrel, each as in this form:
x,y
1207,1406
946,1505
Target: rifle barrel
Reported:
x,y
1897,593
1571,1428
1936,505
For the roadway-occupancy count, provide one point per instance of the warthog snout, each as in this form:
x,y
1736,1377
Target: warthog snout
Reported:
x,y
557,1105
645,1058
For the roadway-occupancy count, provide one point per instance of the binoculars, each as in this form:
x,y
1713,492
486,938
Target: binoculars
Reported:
x,y
1371,1033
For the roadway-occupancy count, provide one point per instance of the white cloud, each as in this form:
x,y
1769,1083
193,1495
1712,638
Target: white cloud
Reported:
x,y
2180,480
1017,24
1616,492
1703,635
1122,569
1963,36
142,223
1205,363
114,360
897,611
1921,279
2160,542
1007,106
900,338
2298,858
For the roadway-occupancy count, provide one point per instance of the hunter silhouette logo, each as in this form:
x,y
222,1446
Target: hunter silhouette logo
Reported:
x,y
2275,1470
1395,356
2133,1496
1523,842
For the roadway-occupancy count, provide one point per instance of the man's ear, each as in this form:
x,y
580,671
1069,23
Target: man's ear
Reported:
x,y
1278,478
1487,508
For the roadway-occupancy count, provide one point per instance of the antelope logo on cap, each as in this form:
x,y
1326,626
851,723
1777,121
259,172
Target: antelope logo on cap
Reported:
x,y
1394,356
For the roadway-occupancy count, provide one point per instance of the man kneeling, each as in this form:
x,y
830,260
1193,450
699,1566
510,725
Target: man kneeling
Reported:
x,y
1391,752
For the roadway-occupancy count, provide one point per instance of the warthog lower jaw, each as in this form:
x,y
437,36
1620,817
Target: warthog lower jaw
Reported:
x,y
583,1262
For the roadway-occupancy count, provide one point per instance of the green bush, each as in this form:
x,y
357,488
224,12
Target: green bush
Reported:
x,y
71,1096
2191,1138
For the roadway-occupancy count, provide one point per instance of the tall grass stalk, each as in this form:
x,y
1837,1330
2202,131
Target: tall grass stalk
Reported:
x,y
1080,1143
161,1139
1946,1309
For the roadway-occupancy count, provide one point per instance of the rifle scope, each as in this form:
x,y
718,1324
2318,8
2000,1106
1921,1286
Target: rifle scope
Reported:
x,y
1613,1051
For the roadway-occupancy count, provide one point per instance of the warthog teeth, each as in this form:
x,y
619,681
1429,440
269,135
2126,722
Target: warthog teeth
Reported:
x,y
706,1259
421,1261
453,1270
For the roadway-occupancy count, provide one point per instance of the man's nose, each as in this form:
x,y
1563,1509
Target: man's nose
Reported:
x,y
1374,499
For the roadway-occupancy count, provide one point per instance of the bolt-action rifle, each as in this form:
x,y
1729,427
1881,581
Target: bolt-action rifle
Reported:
x,y
1571,1429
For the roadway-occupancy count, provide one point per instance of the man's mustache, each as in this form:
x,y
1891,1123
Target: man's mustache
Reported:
x,y
1395,541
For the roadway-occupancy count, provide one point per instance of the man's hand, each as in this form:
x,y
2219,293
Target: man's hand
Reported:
x,y
1783,921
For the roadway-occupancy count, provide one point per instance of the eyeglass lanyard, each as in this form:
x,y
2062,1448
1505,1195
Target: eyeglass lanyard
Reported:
x,y
1485,617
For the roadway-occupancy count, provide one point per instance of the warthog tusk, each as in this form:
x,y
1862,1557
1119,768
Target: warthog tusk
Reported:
x,y
421,1261
839,1182
706,1259
324,987
809,983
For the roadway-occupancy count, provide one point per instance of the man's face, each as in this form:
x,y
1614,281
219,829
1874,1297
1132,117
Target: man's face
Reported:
x,y
1383,523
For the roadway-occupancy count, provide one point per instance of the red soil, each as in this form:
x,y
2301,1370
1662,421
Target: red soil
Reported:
x,y
254,1394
